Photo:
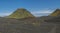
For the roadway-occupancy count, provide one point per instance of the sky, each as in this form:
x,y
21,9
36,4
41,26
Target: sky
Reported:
x,y
36,7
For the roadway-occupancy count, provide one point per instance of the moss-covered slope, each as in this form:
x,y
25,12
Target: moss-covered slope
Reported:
x,y
56,13
20,13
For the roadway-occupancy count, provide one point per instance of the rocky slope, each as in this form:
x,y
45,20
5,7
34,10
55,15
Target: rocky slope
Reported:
x,y
28,25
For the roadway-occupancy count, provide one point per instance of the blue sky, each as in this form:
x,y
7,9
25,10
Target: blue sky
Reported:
x,y
36,7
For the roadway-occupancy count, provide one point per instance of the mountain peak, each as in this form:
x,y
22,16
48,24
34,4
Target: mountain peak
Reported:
x,y
20,13
21,9
57,10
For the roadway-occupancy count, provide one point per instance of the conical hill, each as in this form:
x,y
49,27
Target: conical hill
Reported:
x,y
20,13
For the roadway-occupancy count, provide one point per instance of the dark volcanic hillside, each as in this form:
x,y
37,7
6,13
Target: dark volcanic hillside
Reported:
x,y
28,25
18,26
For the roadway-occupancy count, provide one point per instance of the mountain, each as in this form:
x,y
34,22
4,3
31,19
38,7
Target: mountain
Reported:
x,y
56,13
20,13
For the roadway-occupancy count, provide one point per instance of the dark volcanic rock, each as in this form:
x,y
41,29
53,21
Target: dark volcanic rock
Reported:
x,y
28,25
55,19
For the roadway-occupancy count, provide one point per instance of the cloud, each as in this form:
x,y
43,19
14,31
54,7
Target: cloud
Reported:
x,y
4,14
42,12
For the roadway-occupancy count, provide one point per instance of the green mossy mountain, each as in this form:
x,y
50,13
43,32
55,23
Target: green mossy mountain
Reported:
x,y
56,13
20,13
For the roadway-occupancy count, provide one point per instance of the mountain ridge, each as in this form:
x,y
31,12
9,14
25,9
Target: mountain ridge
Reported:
x,y
55,13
